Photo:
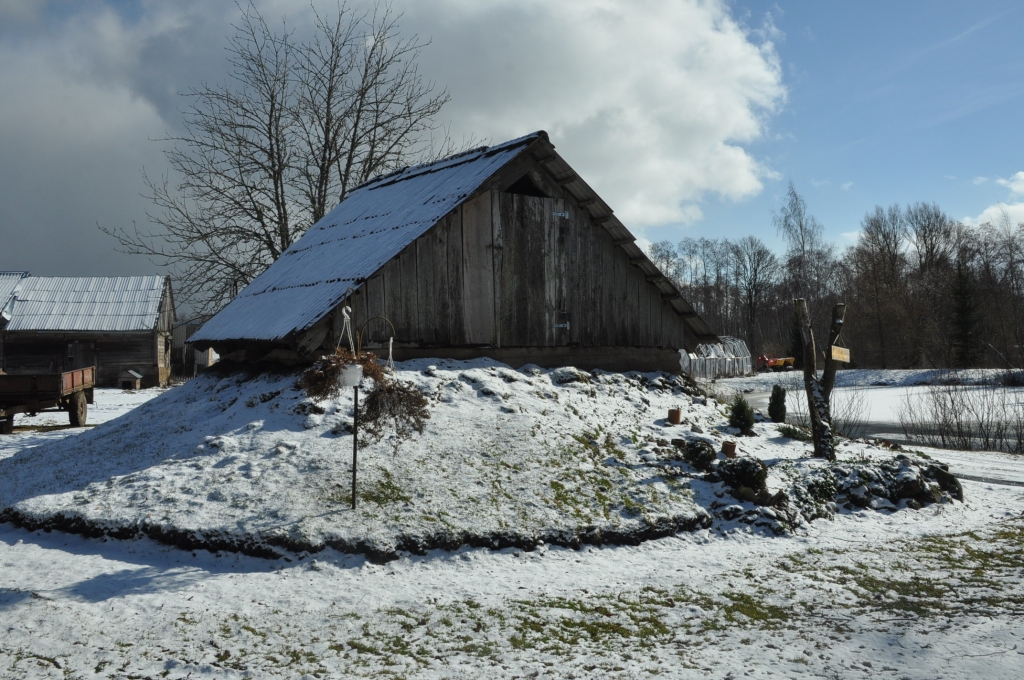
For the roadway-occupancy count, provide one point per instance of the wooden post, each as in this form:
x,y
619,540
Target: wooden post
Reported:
x,y
355,444
819,390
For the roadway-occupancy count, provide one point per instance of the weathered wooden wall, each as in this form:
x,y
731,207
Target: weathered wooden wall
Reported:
x,y
111,353
508,270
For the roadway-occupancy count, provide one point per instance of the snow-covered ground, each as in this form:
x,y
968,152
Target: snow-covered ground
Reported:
x,y
51,426
876,395
865,377
935,592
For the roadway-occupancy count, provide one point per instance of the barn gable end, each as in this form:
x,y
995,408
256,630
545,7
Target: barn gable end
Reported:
x,y
530,266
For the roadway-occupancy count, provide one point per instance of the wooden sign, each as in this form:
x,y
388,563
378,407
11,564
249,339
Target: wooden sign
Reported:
x,y
840,354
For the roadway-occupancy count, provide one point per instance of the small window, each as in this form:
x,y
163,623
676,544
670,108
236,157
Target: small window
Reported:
x,y
525,186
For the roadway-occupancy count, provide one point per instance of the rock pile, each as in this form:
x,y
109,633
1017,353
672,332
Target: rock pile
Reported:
x,y
820,492
895,484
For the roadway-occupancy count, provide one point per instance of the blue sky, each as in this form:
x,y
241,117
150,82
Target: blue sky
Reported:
x,y
689,117
887,102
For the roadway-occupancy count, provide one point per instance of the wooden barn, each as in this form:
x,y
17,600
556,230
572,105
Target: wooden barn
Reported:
x,y
117,323
503,252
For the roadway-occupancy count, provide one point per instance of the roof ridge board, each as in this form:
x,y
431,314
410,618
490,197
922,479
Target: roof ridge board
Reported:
x,y
445,163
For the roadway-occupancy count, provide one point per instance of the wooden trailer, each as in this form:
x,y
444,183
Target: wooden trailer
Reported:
x,y
70,391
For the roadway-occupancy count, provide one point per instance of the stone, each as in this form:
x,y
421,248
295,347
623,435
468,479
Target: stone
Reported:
x,y
859,496
731,512
908,483
744,493
696,428
947,481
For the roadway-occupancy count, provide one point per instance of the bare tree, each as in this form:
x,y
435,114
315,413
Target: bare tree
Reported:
x,y
819,388
293,131
757,271
663,255
880,260
809,257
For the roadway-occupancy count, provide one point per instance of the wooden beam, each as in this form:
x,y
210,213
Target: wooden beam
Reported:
x,y
655,278
567,179
637,260
676,296
624,241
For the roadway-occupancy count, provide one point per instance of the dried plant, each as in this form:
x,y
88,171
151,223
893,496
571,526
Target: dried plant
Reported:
x,y
321,380
394,403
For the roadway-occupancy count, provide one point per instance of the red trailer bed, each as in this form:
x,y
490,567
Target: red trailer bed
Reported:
x,y
70,391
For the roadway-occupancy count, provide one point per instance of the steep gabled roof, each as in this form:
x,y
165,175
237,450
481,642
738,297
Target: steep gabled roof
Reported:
x,y
85,303
377,221
372,225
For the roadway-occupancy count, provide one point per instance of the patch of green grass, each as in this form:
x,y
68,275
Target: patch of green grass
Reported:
x,y
385,491
766,615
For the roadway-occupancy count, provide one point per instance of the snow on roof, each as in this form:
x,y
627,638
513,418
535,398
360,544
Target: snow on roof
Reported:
x,y
353,241
86,303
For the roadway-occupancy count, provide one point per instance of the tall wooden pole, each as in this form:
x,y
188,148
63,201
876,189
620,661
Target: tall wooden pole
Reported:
x,y
355,445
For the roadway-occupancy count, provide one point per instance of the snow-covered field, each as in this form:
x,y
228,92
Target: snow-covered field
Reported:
x,y
928,593
875,395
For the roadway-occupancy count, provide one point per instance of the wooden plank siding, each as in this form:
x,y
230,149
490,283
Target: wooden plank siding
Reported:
x,y
111,353
478,299
503,269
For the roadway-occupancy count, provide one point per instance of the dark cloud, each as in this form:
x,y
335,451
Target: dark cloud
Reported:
x,y
652,102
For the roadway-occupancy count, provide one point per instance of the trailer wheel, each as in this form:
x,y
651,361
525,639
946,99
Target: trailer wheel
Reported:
x,y
78,409
7,425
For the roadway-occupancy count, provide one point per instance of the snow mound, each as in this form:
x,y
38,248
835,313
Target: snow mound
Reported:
x,y
249,463
508,459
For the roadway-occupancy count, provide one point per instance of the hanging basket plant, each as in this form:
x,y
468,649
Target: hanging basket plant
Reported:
x,y
322,380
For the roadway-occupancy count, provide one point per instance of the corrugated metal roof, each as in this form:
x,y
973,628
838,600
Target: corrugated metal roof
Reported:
x,y
8,282
353,241
86,303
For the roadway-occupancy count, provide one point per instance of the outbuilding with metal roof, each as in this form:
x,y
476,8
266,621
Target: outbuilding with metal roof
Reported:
x,y
52,324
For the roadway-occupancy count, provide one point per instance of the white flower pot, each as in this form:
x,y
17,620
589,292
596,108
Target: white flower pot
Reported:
x,y
351,375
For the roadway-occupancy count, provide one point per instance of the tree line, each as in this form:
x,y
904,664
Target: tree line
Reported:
x,y
922,290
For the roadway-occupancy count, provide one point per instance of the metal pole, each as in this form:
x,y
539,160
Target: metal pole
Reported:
x,y
355,445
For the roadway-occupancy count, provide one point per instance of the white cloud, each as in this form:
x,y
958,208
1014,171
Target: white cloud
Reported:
x,y
994,214
846,186
979,180
1015,184
650,102
851,236
820,183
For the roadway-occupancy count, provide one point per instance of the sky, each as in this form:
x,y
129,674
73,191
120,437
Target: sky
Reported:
x,y
688,117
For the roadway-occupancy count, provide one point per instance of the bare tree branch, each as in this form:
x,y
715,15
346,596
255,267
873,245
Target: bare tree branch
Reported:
x,y
293,131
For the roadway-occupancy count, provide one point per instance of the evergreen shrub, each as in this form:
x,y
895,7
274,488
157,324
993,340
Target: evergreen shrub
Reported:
x,y
777,404
741,415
